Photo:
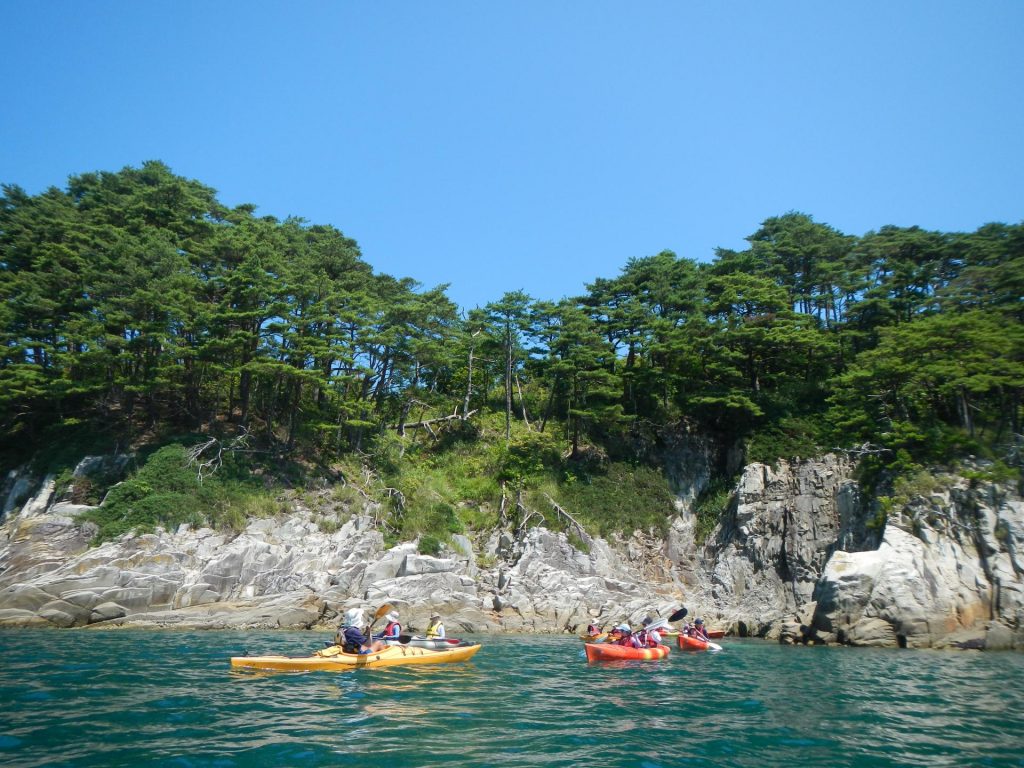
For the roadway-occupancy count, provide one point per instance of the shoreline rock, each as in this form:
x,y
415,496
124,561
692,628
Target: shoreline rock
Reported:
x,y
798,558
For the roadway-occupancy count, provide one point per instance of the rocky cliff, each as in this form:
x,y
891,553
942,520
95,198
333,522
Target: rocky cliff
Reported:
x,y
800,556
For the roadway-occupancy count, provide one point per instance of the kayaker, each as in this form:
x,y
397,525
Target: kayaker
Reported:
x,y
353,638
698,630
393,628
435,629
626,637
650,638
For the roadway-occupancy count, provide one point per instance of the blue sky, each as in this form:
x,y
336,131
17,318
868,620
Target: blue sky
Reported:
x,y
533,145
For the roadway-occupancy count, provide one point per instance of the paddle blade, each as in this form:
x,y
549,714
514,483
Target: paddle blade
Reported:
x,y
678,614
658,625
380,612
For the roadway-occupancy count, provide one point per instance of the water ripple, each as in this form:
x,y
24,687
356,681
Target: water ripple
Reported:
x,y
170,699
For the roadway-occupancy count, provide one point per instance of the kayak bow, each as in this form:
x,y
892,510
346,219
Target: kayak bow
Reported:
x,y
693,644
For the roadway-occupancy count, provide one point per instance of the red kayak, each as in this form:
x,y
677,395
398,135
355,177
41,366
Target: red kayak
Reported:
x,y
613,652
688,643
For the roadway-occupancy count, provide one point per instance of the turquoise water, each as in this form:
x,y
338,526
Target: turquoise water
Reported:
x,y
141,698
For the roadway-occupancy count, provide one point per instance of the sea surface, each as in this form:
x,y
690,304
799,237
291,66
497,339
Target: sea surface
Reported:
x,y
170,698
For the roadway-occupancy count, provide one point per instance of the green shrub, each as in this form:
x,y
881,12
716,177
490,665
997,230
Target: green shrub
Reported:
x,y
625,498
167,492
429,545
711,505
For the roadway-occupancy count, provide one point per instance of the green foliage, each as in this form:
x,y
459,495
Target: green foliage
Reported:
x,y
711,505
526,458
995,472
166,492
785,439
136,306
624,498
429,545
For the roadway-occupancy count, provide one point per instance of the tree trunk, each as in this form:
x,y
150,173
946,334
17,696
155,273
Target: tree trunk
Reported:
x,y
469,382
508,382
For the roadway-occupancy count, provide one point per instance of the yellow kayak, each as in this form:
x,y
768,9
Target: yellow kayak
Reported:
x,y
333,659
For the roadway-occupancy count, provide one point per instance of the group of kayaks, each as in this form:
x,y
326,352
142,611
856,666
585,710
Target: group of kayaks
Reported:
x,y
408,649
423,651
600,651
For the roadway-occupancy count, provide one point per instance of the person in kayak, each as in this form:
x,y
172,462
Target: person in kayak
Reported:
x,y
352,636
698,631
393,628
623,635
649,638
435,629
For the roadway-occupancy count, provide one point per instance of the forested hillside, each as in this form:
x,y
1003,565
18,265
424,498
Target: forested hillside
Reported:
x,y
138,310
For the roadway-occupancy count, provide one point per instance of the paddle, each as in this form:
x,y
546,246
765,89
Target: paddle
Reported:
x,y
380,613
453,641
678,614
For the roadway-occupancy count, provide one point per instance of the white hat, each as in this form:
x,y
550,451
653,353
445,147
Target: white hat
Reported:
x,y
353,618
392,616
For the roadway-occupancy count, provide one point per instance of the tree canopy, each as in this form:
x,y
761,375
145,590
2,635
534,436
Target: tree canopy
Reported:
x,y
135,302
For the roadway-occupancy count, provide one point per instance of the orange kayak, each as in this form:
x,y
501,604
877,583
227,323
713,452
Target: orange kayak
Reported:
x,y
693,644
613,652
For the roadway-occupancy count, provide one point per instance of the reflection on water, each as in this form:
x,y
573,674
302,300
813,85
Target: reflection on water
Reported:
x,y
169,698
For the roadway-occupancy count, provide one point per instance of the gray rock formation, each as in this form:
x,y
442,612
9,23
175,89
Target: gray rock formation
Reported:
x,y
799,557
947,572
763,561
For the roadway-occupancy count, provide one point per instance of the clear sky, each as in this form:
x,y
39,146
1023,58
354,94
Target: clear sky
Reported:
x,y
535,144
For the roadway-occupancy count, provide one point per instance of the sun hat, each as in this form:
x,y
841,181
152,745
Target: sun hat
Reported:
x,y
623,628
392,616
353,618
435,616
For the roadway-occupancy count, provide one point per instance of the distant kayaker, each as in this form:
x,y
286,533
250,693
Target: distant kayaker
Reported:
x,y
393,628
435,629
698,631
353,634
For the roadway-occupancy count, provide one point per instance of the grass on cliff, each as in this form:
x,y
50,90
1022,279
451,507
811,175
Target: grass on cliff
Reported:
x,y
455,485
430,488
166,491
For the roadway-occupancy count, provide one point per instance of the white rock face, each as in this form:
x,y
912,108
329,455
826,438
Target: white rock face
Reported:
x,y
798,557
764,559
945,565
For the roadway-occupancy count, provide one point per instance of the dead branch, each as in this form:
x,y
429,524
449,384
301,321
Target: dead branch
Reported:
x,y
522,404
214,451
427,422
863,450
572,520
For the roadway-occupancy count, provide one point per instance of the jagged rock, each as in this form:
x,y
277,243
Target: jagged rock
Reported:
x,y
869,632
107,611
416,565
767,554
65,614
17,487
794,559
